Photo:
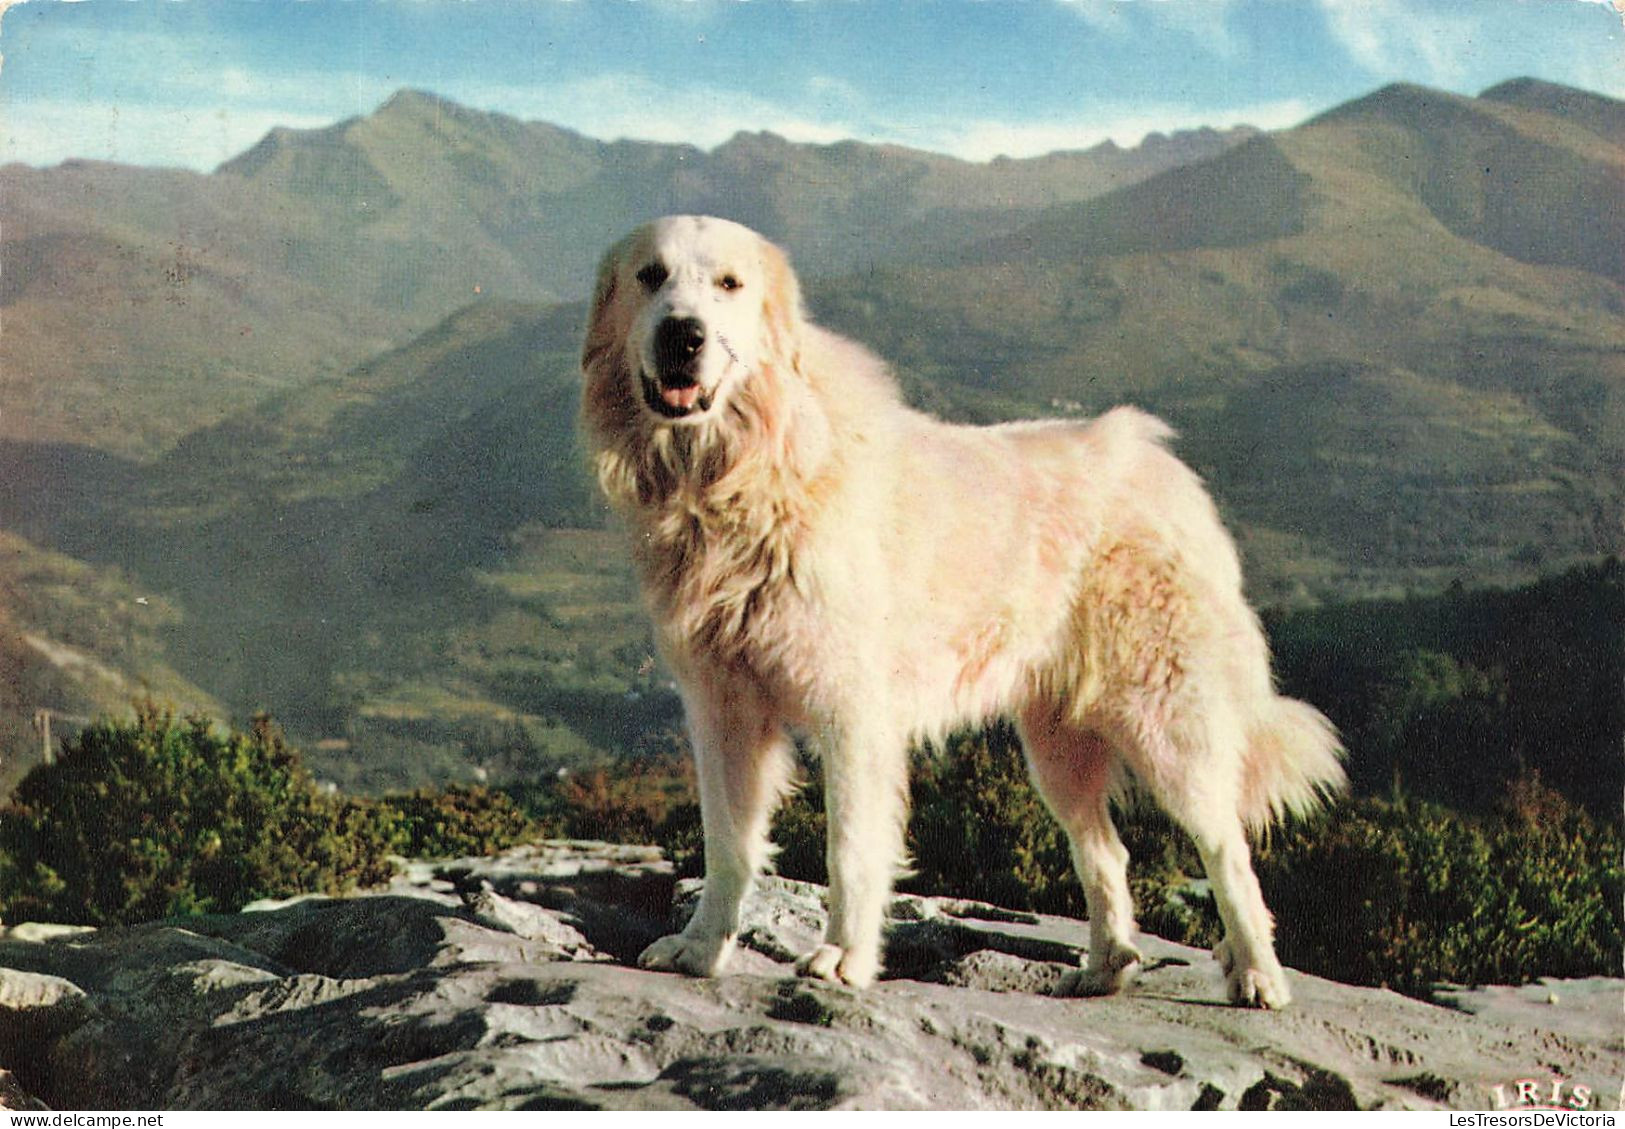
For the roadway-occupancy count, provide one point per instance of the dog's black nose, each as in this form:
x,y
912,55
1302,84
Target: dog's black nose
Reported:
x,y
677,342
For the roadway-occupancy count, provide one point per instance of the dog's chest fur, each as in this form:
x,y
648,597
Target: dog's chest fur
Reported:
x,y
724,566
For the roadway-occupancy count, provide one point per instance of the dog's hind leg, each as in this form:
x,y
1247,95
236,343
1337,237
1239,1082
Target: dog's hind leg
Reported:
x,y
1246,954
744,762
1072,770
1195,775
866,796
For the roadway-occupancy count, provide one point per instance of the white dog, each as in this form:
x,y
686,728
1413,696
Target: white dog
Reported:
x,y
819,557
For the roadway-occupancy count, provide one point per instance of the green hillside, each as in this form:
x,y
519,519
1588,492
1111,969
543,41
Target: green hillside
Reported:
x,y
1503,170
1604,117
334,542
77,641
348,517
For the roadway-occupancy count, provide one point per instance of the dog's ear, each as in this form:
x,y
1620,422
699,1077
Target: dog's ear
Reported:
x,y
783,314
607,408
603,329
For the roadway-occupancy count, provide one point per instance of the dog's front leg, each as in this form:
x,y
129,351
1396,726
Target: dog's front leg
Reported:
x,y
866,802
744,761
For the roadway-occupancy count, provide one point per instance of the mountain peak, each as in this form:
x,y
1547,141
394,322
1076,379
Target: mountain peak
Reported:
x,y
1602,115
1527,89
410,104
1398,101
261,154
408,99
1425,108
754,144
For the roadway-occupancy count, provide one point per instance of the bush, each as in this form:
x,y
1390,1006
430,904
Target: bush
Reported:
x,y
1425,895
650,800
979,830
456,821
159,817
798,832
1458,695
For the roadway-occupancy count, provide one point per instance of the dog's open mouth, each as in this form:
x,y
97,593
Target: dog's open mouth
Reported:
x,y
674,401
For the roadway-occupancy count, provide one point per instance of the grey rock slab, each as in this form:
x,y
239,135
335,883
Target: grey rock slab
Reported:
x,y
509,983
37,1009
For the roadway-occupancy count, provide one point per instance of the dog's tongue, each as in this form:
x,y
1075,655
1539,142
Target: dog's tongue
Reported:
x,y
682,398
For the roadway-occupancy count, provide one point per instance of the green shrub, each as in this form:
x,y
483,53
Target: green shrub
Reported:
x,y
650,800
158,817
1458,695
1407,894
978,829
456,821
1396,892
799,831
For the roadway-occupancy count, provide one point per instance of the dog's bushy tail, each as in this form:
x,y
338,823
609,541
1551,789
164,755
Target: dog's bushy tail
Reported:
x,y
1294,764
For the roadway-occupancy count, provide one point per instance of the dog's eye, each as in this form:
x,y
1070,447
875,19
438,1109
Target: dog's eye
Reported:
x,y
653,277
730,282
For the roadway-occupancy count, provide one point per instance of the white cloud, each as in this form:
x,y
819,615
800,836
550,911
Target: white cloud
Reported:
x,y
165,98
1207,21
306,93
208,116
1103,15
1402,39
1603,77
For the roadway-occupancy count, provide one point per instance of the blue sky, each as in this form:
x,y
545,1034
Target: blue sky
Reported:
x,y
193,82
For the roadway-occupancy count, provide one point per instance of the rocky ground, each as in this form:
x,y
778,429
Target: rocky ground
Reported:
x,y
507,983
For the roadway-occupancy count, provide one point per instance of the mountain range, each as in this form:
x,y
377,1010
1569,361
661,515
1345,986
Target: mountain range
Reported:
x,y
200,295
318,406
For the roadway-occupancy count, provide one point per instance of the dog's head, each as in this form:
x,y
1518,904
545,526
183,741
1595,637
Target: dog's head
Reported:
x,y
687,311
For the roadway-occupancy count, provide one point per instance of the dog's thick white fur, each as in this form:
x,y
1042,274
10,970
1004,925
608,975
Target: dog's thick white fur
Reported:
x,y
819,558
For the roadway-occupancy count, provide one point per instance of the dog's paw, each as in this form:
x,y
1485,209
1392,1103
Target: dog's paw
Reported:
x,y
1259,987
1106,978
696,956
1262,986
838,966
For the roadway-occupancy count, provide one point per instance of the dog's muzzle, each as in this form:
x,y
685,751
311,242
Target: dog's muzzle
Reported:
x,y
673,390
